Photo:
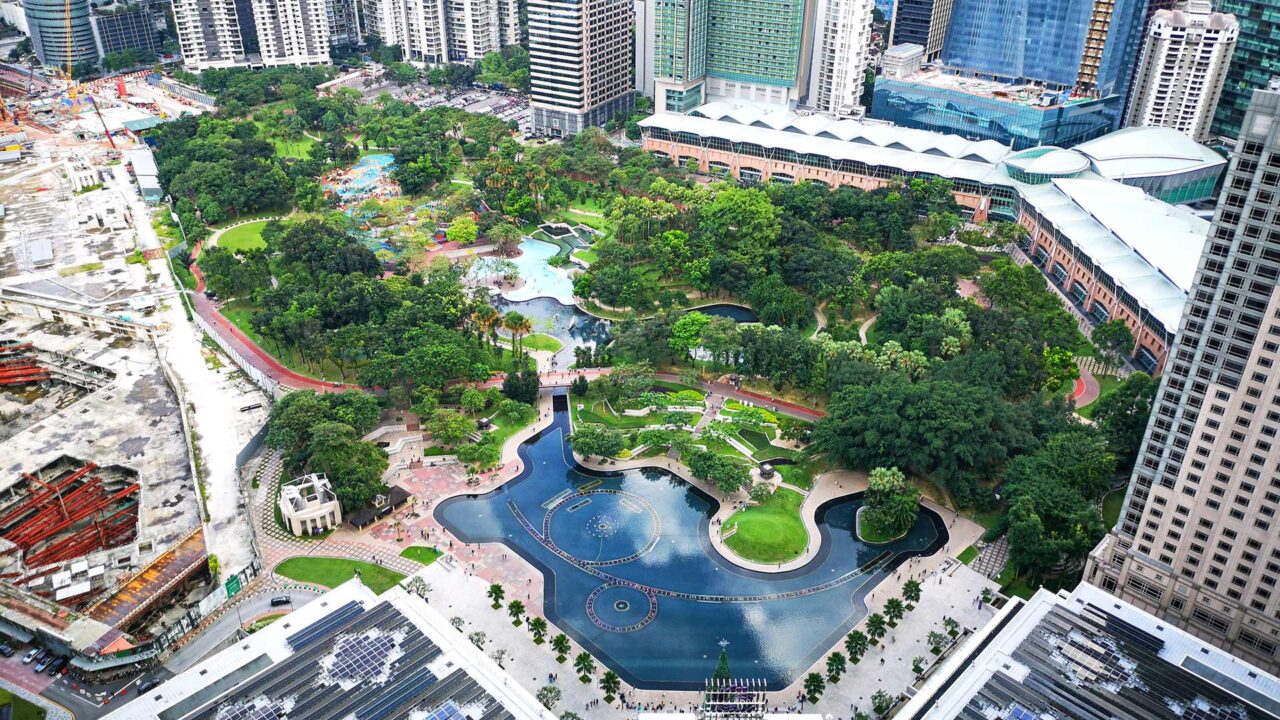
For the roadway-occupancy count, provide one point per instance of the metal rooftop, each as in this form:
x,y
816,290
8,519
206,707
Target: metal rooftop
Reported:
x,y
1148,151
1090,656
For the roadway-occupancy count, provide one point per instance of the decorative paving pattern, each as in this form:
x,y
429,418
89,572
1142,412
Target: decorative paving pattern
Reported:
x,y
992,558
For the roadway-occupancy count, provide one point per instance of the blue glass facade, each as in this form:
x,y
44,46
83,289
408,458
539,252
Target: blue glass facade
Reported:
x,y
1063,44
1018,40
979,117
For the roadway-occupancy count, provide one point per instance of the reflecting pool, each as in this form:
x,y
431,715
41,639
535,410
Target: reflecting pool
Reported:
x,y
631,575
566,323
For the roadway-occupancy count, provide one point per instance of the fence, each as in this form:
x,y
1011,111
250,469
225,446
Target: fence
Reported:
x,y
259,378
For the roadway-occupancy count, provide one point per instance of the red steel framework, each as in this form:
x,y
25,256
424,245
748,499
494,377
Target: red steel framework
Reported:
x,y
17,367
57,507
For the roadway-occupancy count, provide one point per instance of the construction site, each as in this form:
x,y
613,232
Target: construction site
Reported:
x,y
108,515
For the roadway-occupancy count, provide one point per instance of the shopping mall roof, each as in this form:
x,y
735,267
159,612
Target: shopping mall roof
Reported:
x,y
877,134
1094,657
347,653
860,148
1148,151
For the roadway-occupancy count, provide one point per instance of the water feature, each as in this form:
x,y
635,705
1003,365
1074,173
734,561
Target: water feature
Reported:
x,y
631,574
365,177
737,313
566,323
538,279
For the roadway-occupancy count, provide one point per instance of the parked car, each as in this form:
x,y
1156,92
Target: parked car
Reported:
x,y
6,651
26,659
279,600
42,662
56,666
147,684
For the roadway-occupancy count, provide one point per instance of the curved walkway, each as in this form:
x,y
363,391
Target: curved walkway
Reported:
x,y
864,327
1086,389
213,239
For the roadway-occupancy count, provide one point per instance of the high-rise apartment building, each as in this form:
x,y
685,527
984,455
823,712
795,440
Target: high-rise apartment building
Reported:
x,y
344,22
1256,61
129,26
758,50
580,63
292,32
1183,65
439,31
841,47
209,33
1198,540
61,33
923,23
645,36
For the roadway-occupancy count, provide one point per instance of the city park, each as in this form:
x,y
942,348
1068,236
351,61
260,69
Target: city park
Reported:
x,y
690,397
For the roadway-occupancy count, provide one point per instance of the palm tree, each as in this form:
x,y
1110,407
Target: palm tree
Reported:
x,y
585,665
496,593
894,610
485,319
538,627
518,325
856,644
610,684
835,667
876,626
560,643
515,609
813,686
911,591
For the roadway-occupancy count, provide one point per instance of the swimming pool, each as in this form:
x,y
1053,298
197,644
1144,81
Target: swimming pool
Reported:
x,y
631,574
538,278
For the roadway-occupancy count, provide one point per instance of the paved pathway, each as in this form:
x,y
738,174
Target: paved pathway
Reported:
x,y
213,239
992,558
864,327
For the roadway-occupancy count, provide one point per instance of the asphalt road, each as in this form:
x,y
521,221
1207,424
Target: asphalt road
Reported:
x,y
87,702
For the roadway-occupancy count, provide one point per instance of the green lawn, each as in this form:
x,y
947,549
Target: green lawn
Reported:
x,y
796,475
418,553
764,448
968,555
538,341
587,256
244,237
770,532
872,533
598,413
1106,385
332,572
22,710
1111,505
239,312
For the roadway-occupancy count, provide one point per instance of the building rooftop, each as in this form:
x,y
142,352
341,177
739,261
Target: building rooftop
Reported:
x,y
349,653
905,50
1090,656
1029,94
1148,151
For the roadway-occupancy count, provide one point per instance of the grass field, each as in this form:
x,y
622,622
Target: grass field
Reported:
x,y
538,341
1106,385
968,555
332,572
797,475
770,532
22,710
418,553
244,237
586,255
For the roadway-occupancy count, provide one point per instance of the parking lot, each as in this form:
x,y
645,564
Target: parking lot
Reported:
x,y
510,106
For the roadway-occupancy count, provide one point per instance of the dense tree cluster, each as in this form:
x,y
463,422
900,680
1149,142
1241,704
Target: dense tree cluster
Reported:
x,y
240,88
321,433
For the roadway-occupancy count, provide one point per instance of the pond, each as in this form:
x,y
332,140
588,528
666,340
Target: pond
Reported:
x,y
737,313
631,574
566,323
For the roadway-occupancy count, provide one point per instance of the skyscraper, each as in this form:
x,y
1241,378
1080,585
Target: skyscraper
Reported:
x,y
1183,65
840,56
438,31
61,34
757,50
292,32
1256,61
1197,542
923,23
580,63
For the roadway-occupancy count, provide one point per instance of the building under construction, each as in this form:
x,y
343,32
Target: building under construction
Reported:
x,y
99,510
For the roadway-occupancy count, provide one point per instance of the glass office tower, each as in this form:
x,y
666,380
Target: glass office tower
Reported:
x,y
1256,60
61,34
